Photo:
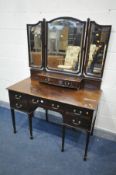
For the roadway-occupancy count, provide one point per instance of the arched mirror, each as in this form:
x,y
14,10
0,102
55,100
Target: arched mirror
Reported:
x,y
97,47
64,45
35,44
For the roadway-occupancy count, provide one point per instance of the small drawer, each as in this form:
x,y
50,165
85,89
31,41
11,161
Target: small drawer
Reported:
x,y
76,121
19,106
78,111
16,96
55,106
35,102
18,101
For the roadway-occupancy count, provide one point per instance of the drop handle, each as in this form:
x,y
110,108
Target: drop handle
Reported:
x,y
55,107
76,123
19,105
35,101
17,97
77,113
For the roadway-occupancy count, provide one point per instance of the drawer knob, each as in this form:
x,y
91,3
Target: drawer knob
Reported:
x,y
41,101
87,113
19,105
35,101
73,120
17,96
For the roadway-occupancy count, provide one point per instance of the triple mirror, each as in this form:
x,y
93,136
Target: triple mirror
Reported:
x,y
68,46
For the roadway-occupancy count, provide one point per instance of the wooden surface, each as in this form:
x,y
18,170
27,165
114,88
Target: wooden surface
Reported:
x,y
82,98
60,76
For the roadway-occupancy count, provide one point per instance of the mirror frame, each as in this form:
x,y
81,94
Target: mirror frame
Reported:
x,y
87,44
76,73
42,44
82,76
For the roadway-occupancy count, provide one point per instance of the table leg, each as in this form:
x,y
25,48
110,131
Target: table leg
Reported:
x,y
93,127
86,146
94,122
63,137
46,114
13,120
30,115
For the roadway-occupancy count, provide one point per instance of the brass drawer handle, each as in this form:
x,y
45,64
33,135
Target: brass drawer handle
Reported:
x,y
76,123
77,113
19,105
35,101
17,97
57,107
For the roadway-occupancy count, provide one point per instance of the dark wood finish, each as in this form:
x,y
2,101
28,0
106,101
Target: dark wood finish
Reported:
x,y
13,120
46,112
30,115
86,146
30,88
77,107
88,43
60,80
63,137
76,73
49,62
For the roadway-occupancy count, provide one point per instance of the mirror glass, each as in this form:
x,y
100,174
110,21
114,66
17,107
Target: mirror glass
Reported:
x,y
64,42
35,45
98,42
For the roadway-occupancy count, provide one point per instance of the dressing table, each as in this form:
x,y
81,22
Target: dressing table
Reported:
x,y
66,59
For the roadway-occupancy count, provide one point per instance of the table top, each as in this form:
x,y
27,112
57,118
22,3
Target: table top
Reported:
x,y
82,98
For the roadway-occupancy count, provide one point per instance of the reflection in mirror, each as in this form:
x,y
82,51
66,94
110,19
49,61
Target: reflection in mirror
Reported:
x,y
64,44
35,45
99,36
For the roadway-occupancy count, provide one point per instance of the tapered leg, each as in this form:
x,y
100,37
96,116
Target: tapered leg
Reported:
x,y
30,124
94,122
13,120
46,113
93,127
87,143
63,137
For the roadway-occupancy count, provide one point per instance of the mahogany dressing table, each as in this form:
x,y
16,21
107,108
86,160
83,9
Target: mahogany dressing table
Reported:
x,y
65,77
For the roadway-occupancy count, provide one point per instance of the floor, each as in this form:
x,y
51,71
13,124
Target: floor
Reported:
x,y
42,156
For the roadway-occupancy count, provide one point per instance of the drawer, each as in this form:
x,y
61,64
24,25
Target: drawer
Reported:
x,y
78,111
35,102
18,101
56,106
76,121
